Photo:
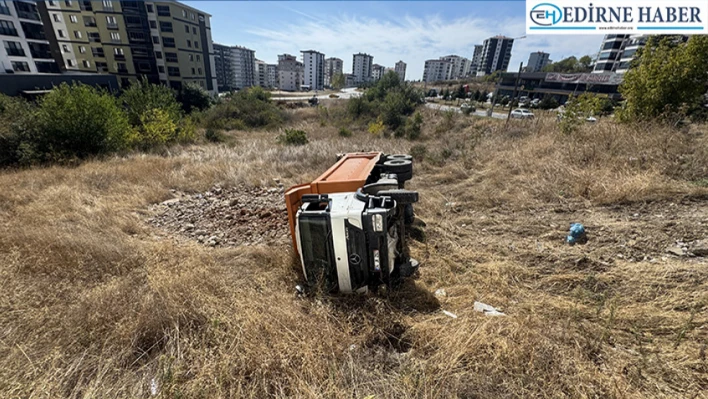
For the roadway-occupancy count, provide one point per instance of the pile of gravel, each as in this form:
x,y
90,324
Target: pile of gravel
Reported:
x,y
224,217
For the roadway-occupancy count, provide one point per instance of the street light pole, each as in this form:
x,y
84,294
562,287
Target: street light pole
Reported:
x,y
516,87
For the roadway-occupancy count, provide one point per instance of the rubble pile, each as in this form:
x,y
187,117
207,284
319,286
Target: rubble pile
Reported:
x,y
224,217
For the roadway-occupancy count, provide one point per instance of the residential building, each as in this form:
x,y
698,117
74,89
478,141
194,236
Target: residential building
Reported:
x,y
400,69
260,73
333,66
460,67
476,59
290,72
272,75
243,63
162,41
362,67
314,69
537,61
436,70
377,72
224,68
496,53
617,51
349,80
26,49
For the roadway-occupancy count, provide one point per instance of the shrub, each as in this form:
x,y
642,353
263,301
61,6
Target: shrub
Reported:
x,y
344,132
376,128
78,121
156,128
214,136
293,137
143,96
194,98
468,110
413,126
16,131
418,152
247,109
548,102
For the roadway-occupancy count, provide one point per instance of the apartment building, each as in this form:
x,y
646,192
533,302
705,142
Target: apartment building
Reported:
x,y
272,75
400,69
260,73
618,51
290,73
162,41
224,68
436,70
476,59
460,66
377,72
314,69
243,64
362,67
333,66
537,61
25,45
495,56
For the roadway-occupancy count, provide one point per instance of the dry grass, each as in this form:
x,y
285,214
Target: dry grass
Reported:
x,y
94,303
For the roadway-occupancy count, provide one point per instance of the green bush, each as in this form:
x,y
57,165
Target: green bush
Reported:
x,y
214,136
344,132
548,102
17,120
79,121
293,137
468,110
247,109
194,98
418,152
412,129
143,96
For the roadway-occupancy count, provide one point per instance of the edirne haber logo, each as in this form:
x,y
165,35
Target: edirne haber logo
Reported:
x,y
564,17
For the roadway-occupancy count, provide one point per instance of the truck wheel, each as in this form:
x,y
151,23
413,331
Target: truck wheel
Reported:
x,y
408,214
399,166
399,156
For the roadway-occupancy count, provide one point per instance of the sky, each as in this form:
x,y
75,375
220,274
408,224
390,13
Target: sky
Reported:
x,y
412,31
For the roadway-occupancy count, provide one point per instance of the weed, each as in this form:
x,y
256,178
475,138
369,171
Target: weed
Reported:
x,y
293,137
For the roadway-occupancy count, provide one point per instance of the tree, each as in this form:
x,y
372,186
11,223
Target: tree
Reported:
x,y
193,97
570,65
585,62
338,81
548,102
477,95
460,92
142,97
667,79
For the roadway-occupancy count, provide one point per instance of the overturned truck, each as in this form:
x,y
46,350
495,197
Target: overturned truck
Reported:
x,y
349,225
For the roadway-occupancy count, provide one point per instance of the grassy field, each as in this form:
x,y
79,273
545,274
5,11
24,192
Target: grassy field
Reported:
x,y
96,303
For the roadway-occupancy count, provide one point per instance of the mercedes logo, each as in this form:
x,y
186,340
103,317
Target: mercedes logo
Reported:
x,y
354,259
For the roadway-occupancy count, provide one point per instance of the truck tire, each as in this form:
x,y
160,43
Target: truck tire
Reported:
x,y
399,166
399,156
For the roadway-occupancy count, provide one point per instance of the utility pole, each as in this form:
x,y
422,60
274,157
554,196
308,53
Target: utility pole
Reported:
x,y
516,87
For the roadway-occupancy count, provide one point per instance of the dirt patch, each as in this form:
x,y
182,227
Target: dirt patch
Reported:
x,y
225,217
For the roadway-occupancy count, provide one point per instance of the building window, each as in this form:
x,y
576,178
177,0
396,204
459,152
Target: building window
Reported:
x,y
70,63
189,43
87,64
77,34
82,49
115,36
56,17
118,51
112,22
173,71
68,3
193,72
191,16
65,48
60,33
98,52
199,58
153,24
150,8
121,67
46,67
20,66
4,9
186,28
168,41
108,5
89,21
73,19
52,3
158,55
94,37
102,67
171,57
163,11
194,30
137,37
14,49
191,57
196,44
156,39
165,26
160,69
199,70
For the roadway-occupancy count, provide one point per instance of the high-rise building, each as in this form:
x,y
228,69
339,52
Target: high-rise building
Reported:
x,y
460,66
476,59
496,53
243,61
333,66
290,72
537,61
162,41
314,69
224,68
377,72
260,73
272,75
401,70
26,48
436,70
362,67
617,51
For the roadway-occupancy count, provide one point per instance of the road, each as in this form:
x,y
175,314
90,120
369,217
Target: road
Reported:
x,y
440,107
344,94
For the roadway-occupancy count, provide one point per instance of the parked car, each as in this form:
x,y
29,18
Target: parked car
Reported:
x,y
521,113
535,102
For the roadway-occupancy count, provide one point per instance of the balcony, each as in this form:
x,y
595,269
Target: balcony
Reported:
x,y
33,31
16,52
112,25
26,10
90,22
34,16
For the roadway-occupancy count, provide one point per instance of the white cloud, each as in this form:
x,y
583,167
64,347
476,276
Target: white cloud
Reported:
x,y
410,39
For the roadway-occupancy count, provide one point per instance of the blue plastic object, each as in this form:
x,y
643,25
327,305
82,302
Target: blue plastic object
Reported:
x,y
576,233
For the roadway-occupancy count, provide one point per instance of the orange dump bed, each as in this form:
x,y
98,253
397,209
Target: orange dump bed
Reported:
x,y
347,175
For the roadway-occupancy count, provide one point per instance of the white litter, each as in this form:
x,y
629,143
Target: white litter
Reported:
x,y
454,316
440,293
153,387
487,309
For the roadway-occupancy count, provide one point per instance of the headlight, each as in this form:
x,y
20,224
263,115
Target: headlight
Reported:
x,y
377,221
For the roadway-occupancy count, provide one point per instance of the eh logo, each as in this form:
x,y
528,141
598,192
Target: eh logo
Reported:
x,y
546,14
